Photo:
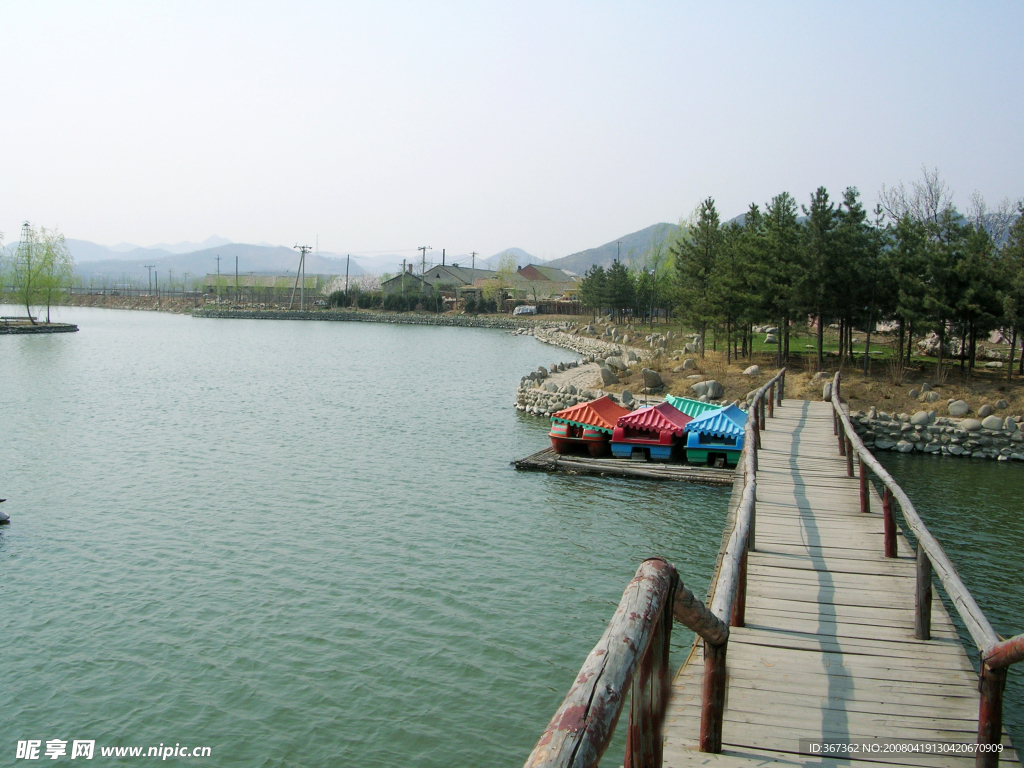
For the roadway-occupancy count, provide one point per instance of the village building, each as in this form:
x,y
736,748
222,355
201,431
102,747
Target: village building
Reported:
x,y
261,288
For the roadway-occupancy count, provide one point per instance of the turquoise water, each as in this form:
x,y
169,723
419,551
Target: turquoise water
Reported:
x,y
975,508
301,544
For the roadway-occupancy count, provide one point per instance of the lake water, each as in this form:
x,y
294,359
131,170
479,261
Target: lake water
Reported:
x,y
302,544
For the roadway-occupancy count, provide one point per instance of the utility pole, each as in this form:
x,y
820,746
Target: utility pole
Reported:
x,y
218,279
236,279
442,257
348,260
300,275
423,264
473,256
150,268
617,244
403,278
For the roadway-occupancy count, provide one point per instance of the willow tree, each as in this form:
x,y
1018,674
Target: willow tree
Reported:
x,y
56,268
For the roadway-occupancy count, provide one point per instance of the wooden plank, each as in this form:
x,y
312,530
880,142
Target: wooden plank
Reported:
x,y
828,646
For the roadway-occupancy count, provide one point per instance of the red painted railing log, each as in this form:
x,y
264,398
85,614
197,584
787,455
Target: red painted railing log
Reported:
x,y
865,499
1005,653
582,727
649,697
712,706
990,715
888,524
697,617
923,597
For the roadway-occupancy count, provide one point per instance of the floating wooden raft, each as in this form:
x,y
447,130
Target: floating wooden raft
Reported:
x,y
550,461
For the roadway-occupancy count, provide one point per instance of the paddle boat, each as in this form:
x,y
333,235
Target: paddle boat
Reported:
x,y
654,431
586,426
692,408
716,437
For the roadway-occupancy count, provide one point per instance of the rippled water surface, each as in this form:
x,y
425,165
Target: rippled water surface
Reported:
x,y
301,543
975,508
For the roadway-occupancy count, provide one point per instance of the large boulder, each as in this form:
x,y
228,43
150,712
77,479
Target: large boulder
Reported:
x,y
904,446
754,370
615,363
714,390
689,364
959,408
626,397
771,338
920,418
985,410
700,388
992,422
930,397
971,425
826,392
652,379
1001,405
608,376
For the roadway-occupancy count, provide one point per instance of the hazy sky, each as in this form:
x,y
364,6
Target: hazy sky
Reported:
x,y
551,126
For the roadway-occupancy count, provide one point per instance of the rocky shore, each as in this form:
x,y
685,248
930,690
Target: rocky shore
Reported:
x,y
992,437
397,318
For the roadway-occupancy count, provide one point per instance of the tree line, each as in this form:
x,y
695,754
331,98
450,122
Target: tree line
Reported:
x,y
914,261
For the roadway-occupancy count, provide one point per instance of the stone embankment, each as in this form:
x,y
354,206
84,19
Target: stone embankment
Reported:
x,y
396,318
11,328
564,384
993,437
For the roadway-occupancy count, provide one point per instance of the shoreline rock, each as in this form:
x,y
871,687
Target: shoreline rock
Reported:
x,y
925,432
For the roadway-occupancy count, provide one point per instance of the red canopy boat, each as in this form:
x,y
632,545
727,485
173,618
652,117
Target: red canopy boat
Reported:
x,y
586,425
655,429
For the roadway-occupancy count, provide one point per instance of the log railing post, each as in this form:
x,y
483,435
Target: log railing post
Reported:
x,y
835,422
990,715
760,413
888,523
751,539
649,695
712,707
849,457
739,606
923,597
771,402
842,436
865,499
757,433
782,388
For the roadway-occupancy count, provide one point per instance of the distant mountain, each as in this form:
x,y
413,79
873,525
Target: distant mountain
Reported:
x,y
631,249
522,259
251,258
183,247
83,251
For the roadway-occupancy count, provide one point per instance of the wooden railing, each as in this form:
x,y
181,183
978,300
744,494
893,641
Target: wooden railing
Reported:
x,y
632,655
996,655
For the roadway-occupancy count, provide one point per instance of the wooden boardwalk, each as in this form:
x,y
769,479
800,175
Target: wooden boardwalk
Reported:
x,y
828,648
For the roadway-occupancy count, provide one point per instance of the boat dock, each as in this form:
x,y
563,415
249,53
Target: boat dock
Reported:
x,y
548,460
822,642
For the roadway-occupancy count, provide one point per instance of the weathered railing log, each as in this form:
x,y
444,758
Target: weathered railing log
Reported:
x,y
582,727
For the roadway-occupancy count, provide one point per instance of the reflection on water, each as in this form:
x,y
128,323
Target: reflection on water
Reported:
x,y
302,543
